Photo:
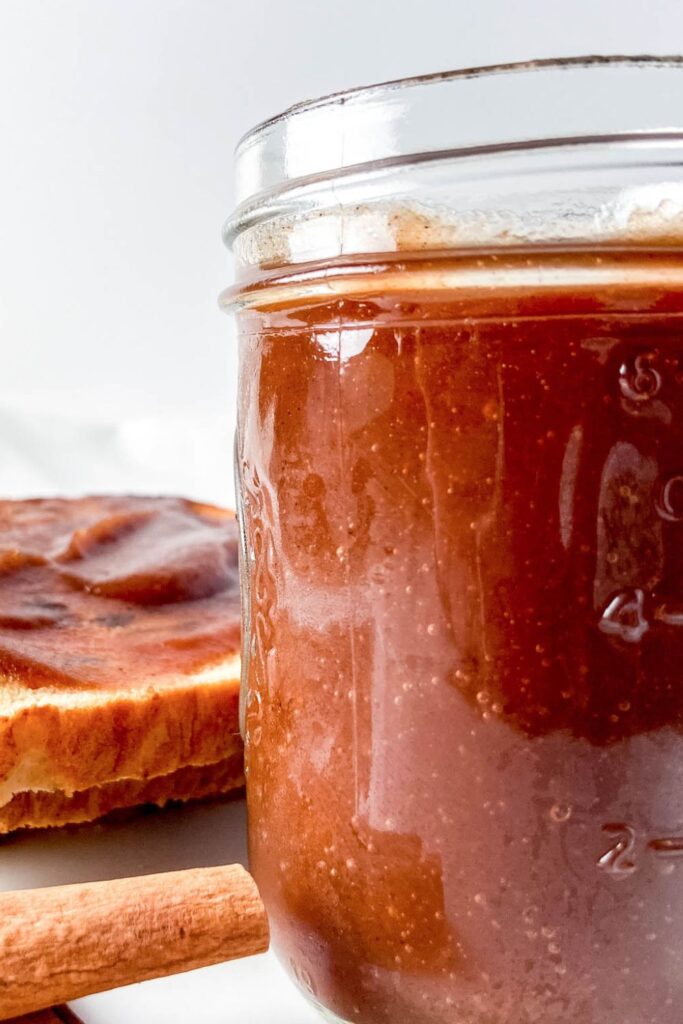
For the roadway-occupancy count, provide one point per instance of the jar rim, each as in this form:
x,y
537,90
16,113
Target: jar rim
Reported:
x,y
480,71
502,106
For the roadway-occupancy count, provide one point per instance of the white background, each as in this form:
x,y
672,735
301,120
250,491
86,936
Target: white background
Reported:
x,y
117,124
117,371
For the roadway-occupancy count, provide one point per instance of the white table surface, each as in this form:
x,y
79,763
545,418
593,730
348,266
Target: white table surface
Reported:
x,y
252,991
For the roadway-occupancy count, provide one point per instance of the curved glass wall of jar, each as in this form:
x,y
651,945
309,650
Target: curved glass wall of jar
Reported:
x,y
543,153
460,419
612,191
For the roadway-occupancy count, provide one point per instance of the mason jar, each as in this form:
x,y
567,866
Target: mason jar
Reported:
x,y
460,464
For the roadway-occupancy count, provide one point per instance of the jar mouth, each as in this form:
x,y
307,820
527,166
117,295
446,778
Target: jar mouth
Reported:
x,y
456,74
503,107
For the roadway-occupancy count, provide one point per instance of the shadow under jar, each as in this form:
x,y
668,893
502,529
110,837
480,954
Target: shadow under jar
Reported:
x,y
460,463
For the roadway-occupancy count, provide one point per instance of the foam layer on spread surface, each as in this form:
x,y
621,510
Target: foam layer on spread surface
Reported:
x,y
115,592
476,213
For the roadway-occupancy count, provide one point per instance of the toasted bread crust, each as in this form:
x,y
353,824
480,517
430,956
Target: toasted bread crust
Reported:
x,y
141,734
45,810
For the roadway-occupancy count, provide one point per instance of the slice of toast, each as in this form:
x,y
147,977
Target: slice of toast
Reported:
x,y
119,655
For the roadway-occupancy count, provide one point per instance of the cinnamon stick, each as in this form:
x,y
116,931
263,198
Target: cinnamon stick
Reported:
x,y
70,941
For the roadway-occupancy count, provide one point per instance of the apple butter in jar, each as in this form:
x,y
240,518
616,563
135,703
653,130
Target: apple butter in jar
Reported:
x,y
459,458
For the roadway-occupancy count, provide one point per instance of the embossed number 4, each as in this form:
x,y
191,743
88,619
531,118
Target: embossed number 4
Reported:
x,y
624,616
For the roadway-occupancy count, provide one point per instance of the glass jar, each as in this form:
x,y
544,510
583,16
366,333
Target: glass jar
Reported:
x,y
460,460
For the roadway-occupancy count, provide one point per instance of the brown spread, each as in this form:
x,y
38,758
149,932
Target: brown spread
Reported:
x,y
465,708
114,592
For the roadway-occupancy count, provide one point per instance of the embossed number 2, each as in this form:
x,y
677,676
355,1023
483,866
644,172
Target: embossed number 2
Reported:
x,y
619,860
